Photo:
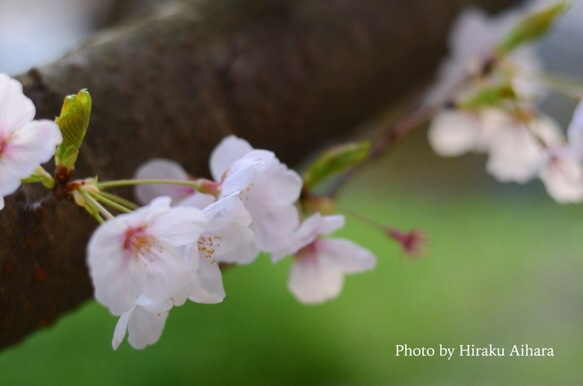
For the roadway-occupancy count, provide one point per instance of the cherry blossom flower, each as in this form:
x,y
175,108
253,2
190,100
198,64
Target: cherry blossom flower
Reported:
x,y
145,321
516,145
474,63
575,131
519,145
320,264
24,143
562,174
267,188
142,253
561,170
454,132
227,238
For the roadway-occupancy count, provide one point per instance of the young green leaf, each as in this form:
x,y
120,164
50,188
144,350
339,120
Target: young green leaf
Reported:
x,y
73,122
532,27
335,160
488,97
40,175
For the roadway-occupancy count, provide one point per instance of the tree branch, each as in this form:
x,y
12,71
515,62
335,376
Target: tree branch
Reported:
x,y
286,75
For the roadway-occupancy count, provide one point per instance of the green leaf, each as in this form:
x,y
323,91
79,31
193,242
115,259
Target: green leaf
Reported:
x,y
73,122
335,160
532,27
488,97
40,175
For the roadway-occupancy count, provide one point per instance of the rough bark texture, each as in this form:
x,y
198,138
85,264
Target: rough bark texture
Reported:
x,y
287,75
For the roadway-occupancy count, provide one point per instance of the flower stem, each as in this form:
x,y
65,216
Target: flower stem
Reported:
x,y
363,219
94,204
120,200
98,217
570,87
116,183
111,203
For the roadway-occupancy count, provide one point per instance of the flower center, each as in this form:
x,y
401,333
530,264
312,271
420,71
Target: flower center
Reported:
x,y
3,145
207,245
136,240
308,252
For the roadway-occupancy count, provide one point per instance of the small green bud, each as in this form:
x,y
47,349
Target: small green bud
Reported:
x,y
531,27
73,122
335,160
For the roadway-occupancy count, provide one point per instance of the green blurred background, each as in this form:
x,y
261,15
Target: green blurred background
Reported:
x,y
504,267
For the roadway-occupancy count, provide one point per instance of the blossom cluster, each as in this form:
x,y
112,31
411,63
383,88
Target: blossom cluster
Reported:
x,y
491,99
25,143
168,251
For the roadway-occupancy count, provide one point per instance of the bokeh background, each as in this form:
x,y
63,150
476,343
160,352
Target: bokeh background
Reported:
x,y
503,267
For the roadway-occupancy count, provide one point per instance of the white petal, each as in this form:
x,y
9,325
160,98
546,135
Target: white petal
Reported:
x,y
120,328
179,226
313,227
226,210
245,254
9,179
256,168
152,305
1,202
548,130
273,227
268,190
285,185
241,176
454,132
157,268
228,237
116,280
161,169
229,150
345,256
471,34
145,328
30,146
563,179
331,223
312,283
165,272
16,109
575,130
197,200
208,284
514,155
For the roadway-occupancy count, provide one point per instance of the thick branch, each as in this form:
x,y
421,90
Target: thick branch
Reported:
x,y
286,75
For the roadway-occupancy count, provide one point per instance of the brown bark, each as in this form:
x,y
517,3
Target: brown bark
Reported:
x,y
286,75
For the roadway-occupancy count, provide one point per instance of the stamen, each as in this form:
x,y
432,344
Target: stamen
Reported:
x,y
136,240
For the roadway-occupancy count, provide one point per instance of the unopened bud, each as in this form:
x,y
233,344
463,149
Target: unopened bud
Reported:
x,y
412,243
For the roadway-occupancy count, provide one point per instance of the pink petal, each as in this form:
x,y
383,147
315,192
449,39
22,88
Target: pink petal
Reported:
x,y
229,150
16,109
161,169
